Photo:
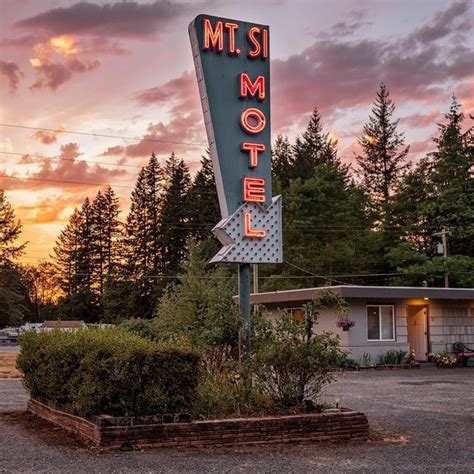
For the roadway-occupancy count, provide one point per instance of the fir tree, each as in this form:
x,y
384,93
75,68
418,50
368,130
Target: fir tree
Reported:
x,y
452,177
383,161
106,233
282,159
12,289
174,214
142,244
203,204
10,231
313,148
66,253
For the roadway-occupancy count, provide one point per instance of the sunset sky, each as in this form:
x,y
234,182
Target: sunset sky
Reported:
x,y
125,69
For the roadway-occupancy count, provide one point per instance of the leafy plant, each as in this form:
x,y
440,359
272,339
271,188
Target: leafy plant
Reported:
x,y
290,367
366,359
393,357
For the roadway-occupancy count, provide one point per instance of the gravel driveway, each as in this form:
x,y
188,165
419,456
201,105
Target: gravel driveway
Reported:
x,y
422,421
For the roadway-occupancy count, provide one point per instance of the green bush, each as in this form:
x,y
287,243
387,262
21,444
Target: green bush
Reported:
x,y
393,357
291,363
108,371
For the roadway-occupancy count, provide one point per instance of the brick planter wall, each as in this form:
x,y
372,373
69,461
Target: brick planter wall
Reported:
x,y
330,426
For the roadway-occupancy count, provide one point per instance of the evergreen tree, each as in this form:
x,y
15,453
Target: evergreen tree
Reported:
x,y
74,251
383,161
282,160
409,207
106,232
10,231
203,204
12,289
437,195
452,206
325,229
313,148
142,243
66,252
174,214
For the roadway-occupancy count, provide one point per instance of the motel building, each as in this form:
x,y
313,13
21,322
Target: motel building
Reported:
x,y
426,320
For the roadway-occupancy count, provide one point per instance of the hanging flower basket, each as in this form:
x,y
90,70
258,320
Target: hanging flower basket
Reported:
x,y
345,324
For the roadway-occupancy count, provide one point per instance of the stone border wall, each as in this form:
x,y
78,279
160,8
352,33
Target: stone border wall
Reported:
x,y
330,426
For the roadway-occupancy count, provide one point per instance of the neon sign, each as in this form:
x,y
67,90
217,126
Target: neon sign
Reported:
x,y
231,59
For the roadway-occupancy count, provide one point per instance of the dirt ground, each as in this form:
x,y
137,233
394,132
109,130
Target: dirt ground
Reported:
x,y
7,366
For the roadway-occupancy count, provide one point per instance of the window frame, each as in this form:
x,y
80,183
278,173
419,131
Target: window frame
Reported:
x,y
380,322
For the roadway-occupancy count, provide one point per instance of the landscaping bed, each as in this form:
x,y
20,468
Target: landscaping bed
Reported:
x,y
389,366
343,425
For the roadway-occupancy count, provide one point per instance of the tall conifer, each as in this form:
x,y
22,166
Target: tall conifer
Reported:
x,y
383,161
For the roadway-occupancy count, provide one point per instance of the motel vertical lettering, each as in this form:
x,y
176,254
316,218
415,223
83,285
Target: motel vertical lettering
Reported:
x,y
232,69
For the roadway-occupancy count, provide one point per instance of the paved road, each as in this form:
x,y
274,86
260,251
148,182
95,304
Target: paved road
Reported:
x,y
423,421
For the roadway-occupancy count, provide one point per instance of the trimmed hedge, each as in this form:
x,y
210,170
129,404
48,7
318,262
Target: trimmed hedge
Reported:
x,y
108,371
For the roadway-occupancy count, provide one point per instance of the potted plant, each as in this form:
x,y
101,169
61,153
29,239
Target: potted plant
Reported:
x,y
345,323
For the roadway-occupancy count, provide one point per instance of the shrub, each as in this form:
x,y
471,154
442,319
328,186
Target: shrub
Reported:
x,y
292,364
108,371
393,357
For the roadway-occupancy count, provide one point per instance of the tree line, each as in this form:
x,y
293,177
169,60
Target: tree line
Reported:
x,y
378,223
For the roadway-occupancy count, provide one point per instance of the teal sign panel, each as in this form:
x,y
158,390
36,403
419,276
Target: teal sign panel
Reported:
x,y
232,62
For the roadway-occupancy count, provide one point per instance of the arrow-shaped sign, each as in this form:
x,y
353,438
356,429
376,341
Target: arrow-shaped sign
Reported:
x,y
238,248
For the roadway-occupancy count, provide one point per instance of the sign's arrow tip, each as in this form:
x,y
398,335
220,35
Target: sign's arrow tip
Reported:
x,y
239,248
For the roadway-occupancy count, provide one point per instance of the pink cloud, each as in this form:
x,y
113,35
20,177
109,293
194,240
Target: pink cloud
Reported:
x,y
421,120
47,137
53,74
12,73
180,97
70,170
113,151
127,19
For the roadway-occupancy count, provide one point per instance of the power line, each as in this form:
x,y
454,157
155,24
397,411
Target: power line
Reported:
x,y
74,160
313,274
66,182
102,135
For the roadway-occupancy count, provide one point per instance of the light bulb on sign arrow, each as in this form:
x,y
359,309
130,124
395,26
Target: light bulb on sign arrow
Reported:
x,y
238,248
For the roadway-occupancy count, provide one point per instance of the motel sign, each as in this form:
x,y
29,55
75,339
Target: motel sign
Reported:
x,y
231,59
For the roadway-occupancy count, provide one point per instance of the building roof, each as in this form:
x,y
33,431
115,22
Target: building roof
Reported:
x,y
372,292
63,324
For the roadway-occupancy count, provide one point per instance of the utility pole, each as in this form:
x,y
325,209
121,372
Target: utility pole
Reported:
x,y
444,236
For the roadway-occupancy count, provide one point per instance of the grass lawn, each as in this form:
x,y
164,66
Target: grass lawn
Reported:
x,y
7,366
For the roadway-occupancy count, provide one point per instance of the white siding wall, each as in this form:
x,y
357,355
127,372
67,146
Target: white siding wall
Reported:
x,y
358,342
450,322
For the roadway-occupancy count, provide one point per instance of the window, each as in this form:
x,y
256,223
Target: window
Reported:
x,y
297,314
380,323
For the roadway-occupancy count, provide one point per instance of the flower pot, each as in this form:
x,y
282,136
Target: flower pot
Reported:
x,y
345,328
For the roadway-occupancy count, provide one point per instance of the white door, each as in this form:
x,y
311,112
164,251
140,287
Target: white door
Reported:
x,y
417,331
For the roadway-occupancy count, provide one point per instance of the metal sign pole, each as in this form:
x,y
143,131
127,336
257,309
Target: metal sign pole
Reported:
x,y
244,300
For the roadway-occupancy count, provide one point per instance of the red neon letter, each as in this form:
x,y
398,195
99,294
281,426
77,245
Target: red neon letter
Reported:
x,y
254,189
253,41
248,231
213,38
232,27
265,43
257,116
253,148
248,87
